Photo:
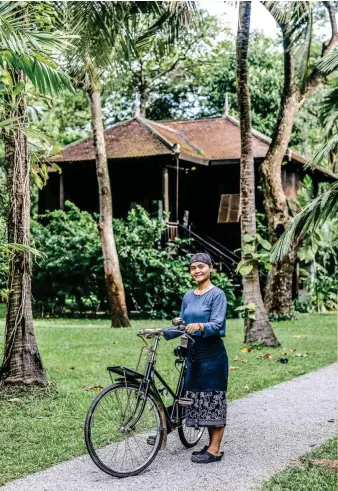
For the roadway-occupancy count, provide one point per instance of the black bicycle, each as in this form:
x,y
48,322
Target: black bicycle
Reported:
x,y
128,422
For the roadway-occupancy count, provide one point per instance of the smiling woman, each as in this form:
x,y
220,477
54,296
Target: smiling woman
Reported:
x,y
203,311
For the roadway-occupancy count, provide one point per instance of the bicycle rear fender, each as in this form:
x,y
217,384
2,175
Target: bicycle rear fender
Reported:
x,y
126,373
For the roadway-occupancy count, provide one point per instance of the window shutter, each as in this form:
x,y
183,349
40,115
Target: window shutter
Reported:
x,y
229,208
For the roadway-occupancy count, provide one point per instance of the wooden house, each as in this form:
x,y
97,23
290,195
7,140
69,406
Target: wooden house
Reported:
x,y
190,168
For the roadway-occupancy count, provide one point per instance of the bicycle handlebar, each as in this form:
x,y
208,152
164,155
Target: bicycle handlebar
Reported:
x,y
159,331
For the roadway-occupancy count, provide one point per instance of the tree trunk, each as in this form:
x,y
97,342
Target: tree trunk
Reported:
x,y
258,329
116,295
22,362
278,297
143,101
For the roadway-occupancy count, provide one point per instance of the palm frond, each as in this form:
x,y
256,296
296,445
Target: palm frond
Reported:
x,y
41,71
18,36
323,152
315,214
286,12
303,51
24,47
169,19
14,247
296,22
111,26
329,63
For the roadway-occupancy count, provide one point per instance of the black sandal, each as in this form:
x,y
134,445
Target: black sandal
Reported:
x,y
206,458
198,452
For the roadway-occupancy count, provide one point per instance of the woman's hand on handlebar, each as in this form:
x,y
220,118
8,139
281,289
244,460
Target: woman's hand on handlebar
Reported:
x,y
192,328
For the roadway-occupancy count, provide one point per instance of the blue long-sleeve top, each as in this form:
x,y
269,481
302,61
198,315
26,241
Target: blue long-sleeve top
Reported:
x,y
208,309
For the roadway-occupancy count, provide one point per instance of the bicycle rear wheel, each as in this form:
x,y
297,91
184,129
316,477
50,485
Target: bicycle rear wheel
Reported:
x,y
123,430
189,436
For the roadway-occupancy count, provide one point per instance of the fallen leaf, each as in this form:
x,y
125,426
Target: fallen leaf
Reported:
x,y
233,368
266,355
245,349
332,464
104,349
93,387
242,360
14,399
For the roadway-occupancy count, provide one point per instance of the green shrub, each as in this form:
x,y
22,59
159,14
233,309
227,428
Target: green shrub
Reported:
x,y
71,276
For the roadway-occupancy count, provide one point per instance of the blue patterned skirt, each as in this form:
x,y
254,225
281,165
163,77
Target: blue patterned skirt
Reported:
x,y
206,383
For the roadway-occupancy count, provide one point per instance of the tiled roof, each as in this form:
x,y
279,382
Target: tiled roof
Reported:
x,y
215,139
200,140
125,140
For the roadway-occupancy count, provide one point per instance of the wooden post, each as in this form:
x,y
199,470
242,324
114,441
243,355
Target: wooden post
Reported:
x,y
62,193
177,185
166,189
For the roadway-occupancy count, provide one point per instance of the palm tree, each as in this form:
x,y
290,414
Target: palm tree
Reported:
x,y
26,52
257,326
325,207
102,28
301,78
315,214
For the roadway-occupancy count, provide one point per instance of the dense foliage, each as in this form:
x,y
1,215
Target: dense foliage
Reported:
x,y
319,271
69,278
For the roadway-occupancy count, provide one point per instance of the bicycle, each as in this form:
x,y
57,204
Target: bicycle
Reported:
x,y
128,422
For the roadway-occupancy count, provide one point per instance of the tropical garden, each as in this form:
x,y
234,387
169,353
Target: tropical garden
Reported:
x,y
69,278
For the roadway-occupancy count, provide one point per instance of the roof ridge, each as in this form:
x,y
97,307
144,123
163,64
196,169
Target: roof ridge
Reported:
x,y
146,123
197,120
256,133
181,135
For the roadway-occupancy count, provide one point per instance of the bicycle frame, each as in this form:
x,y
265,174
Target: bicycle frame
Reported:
x,y
147,384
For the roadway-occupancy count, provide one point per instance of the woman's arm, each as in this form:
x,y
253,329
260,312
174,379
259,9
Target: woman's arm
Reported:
x,y
217,316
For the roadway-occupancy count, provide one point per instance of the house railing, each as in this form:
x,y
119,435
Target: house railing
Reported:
x,y
172,231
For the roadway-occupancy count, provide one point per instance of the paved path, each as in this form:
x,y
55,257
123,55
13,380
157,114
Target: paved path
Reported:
x,y
266,430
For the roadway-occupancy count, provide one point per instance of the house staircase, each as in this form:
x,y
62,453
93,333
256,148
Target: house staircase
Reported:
x,y
223,259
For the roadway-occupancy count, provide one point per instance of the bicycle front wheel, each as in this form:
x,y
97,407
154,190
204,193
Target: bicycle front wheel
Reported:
x,y
123,430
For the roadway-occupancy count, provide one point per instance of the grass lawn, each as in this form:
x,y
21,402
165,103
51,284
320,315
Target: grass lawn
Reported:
x,y
309,475
38,430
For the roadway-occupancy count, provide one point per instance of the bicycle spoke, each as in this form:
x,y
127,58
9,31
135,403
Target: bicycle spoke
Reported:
x,y
119,445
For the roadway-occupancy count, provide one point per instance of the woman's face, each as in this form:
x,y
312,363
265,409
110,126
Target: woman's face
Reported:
x,y
200,272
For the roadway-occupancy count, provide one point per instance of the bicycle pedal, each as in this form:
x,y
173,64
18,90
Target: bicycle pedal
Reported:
x,y
151,440
185,402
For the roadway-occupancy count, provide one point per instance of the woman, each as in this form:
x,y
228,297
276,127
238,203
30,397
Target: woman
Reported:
x,y
203,311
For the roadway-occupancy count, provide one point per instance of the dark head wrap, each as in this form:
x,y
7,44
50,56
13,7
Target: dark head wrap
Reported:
x,y
201,257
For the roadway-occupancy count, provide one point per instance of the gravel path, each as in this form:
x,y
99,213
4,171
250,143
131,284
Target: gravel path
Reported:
x,y
266,430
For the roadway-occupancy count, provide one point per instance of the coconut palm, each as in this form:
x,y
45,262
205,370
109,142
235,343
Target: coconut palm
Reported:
x,y
26,53
102,29
257,326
